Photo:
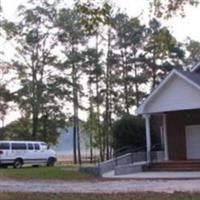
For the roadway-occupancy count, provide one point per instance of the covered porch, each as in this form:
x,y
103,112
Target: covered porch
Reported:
x,y
179,134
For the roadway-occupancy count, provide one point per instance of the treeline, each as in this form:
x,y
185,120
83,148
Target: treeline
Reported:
x,y
67,63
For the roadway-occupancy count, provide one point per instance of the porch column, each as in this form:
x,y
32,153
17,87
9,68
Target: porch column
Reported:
x,y
165,137
148,136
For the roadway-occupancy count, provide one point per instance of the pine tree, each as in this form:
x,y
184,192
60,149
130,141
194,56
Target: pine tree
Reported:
x,y
71,36
34,65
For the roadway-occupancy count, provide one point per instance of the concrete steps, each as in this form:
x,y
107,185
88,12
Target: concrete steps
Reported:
x,y
188,165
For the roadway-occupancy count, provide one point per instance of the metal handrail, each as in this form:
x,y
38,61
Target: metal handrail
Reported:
x,y
130,149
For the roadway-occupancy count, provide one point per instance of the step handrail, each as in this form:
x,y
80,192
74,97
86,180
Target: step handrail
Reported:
x,y
132,154
131,149
128,149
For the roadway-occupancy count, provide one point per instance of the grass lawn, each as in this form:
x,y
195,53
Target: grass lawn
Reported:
x,y
138,196
50,173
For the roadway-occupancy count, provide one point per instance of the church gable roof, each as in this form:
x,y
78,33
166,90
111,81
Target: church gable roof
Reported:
x,y
177,83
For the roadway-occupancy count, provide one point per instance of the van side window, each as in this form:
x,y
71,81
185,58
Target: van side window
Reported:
x,y
30,146
37,146
18,146
4,146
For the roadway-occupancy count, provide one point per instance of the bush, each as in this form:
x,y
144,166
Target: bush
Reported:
x,y
129,131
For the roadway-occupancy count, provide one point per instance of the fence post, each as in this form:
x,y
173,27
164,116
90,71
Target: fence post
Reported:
x,y
116,161
132,157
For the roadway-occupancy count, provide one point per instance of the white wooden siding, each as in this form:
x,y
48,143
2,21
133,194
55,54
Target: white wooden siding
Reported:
x,y
176,94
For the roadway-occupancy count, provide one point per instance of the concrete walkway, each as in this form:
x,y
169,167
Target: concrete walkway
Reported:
x,y
155,175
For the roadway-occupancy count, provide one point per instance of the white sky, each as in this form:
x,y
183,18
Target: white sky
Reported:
x,y
180,27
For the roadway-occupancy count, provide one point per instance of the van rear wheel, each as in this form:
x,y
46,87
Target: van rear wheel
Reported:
x,y
4,166
18,163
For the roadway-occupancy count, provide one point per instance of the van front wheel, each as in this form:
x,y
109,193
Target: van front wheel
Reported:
x,y
18,164
51,162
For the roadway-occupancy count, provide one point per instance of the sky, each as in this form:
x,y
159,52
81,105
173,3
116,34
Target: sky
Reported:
x,y
180,27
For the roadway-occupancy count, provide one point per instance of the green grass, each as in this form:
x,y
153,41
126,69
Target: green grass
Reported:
x,y
45,173
135,196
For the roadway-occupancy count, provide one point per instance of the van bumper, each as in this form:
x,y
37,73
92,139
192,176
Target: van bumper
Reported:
x,y
4,161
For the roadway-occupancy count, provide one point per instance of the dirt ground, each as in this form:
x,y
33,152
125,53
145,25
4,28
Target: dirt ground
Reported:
x,y
108,186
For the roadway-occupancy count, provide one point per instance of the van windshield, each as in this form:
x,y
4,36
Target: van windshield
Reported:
x,y
4,146
44,146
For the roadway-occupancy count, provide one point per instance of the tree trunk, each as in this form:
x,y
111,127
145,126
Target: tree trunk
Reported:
x,y
91,121
108,90
154,70
101,151
101,148
74,142
76,147
91,147
125,85
137,96
74,113
34,103
78,134
74,135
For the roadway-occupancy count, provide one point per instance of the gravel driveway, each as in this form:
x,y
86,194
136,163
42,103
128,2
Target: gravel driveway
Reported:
x,y
110,186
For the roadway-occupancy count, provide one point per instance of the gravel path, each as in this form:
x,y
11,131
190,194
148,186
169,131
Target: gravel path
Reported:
x,y
110,186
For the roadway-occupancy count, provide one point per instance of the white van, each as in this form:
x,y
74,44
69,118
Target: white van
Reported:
x,y
18,153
